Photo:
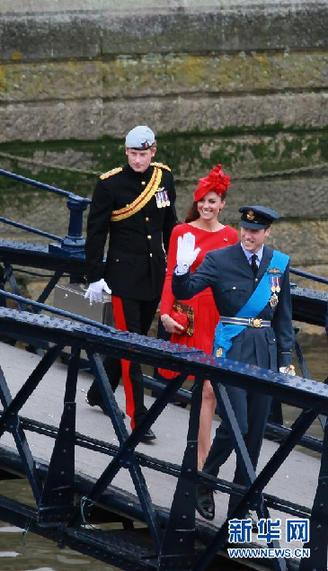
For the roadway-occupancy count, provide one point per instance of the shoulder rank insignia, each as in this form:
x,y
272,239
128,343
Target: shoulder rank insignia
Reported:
x,y
161,166
110,173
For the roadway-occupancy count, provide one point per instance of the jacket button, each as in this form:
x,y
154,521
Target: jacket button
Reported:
x,y
143,183
117,260
147,219
150,255
149,237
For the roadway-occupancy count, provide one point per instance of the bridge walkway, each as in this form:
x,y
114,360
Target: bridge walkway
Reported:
x,y
295,481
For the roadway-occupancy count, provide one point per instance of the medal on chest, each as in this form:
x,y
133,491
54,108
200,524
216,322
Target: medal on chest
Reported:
x,y
275,289
162,198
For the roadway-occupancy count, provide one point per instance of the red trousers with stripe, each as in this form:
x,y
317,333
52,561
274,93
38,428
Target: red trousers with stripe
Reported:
x,y
135,316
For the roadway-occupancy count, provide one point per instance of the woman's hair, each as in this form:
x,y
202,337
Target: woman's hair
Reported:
x,y
193,213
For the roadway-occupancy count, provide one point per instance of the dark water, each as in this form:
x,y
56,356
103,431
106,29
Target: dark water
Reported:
x,y
21,551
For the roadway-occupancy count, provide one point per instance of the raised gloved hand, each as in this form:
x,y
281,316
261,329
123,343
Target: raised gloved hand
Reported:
x,y
289,370
95,291
186,252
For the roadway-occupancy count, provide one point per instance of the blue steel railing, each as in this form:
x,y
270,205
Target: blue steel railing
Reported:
x,y
31,229
73,243
309,275
175,545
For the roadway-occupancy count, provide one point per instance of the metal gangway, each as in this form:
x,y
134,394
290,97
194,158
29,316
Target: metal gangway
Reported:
x,y
175,539
64,502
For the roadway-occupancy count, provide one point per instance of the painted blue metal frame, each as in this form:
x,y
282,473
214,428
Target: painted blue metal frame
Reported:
x,y
172,553
175,548
73,243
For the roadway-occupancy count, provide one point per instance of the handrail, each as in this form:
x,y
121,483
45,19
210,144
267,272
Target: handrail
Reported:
x,y
99,339
273,429
304,393
73,242
56,310
309,275
30,229
44,186
76,205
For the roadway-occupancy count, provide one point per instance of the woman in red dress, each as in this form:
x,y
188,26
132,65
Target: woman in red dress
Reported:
x,y
202,221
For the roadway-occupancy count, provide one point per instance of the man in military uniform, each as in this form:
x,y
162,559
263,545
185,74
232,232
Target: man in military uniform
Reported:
x,y
250,284
135,205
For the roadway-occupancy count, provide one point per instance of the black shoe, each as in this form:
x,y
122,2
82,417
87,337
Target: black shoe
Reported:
x,y
96,402
148,436
205,502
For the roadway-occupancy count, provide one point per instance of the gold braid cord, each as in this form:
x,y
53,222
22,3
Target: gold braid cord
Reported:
x,y
141,200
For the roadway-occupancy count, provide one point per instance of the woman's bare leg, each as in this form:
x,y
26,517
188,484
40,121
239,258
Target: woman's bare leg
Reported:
x,y
205,423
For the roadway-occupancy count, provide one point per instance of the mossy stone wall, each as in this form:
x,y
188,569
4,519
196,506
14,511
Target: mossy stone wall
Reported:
x,y
244,83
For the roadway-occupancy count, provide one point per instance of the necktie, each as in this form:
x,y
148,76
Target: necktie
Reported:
x,y
254,264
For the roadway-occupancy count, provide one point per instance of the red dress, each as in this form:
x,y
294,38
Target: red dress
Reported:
x,y
206,314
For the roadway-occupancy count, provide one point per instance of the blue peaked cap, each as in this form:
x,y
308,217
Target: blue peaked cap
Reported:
x,y
257,216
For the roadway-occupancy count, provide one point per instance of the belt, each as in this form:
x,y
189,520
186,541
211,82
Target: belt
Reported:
x,y
248,321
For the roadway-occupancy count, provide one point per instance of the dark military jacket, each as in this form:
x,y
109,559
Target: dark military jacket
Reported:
x,y
135,261
231,278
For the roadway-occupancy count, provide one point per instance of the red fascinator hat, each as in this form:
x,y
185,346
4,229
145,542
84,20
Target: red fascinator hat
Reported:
x,y
215,181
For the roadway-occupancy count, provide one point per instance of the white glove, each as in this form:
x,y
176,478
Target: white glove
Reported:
x,y
186,252
95,291
289,370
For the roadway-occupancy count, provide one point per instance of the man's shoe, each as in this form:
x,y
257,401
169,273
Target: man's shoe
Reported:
x,y
205,502
94,402
148,436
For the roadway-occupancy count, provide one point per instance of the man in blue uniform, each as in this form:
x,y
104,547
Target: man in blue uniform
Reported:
x,y
250,284
135,206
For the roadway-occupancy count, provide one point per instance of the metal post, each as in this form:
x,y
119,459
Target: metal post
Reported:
x,y
177,550
57,502
73,243
319,518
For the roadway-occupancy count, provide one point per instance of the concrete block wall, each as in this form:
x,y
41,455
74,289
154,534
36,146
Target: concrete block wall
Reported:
x,y
244,83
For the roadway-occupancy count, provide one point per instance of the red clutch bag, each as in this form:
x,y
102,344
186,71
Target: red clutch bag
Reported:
x,y
184,315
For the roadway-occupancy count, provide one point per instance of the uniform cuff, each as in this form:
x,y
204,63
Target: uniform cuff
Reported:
x,y
181,270
285,359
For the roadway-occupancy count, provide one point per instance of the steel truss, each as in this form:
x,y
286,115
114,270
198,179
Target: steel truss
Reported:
x,y
174,545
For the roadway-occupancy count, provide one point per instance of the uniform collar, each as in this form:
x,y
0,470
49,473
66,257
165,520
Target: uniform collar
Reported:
x,y
139,175
248,254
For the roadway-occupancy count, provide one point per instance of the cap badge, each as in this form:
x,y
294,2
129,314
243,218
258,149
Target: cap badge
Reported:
x,y
250,215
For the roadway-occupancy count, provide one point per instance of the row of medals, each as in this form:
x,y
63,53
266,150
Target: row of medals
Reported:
x,y
275,289
162,199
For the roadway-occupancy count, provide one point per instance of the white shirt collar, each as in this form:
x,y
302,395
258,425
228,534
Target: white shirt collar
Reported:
x,y
248,254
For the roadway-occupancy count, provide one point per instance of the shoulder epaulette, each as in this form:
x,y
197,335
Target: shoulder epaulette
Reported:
x,y
161,166
110,173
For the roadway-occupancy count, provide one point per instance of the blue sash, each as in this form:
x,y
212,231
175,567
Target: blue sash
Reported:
x,y
224,332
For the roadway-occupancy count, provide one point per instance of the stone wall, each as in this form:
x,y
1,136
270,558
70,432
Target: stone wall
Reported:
x,y
244,83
